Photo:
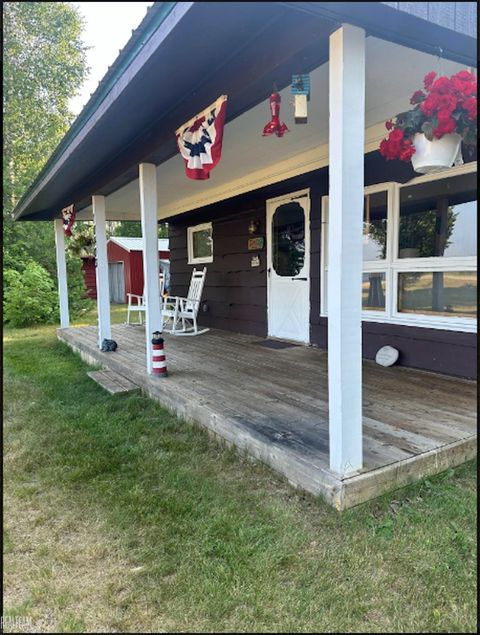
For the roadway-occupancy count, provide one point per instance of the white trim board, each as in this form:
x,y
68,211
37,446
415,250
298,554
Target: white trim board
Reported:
x,y
190,255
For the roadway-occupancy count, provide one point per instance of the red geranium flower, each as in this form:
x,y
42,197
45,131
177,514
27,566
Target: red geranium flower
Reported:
x,y
396,135
428,80
417,97
406,152
470,106
444,127
430,104
443,115
466,76
448,105
441,85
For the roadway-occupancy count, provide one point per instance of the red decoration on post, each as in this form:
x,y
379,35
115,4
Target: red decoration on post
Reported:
x,y
274,126
68,215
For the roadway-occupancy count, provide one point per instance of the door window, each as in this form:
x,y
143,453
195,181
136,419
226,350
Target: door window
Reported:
x,y
288,239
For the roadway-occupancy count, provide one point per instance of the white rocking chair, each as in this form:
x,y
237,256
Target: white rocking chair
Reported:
x,y
180,314
136,303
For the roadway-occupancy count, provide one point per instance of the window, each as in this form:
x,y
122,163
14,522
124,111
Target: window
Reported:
x,y
438,293
200,244
419,251
288,236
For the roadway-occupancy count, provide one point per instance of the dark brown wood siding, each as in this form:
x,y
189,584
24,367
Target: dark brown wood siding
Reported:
x,y
235,294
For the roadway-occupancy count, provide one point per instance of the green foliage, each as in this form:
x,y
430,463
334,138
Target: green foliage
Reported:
x,y
420,231
44,65
78,301
29,297
25,241
134,229
82,241
417,231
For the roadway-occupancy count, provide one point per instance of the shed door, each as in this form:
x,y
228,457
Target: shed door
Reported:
x,y
116,279
288,266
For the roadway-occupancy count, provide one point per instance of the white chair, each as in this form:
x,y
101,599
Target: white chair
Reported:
x,y
180,314
136,303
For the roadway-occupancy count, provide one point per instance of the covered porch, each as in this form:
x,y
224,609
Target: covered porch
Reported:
x,y
120,161
273,404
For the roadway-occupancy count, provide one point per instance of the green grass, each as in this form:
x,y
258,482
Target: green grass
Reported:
x,y
120,517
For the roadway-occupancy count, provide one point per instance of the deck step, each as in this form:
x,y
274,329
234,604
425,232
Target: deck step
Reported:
x,y
112,381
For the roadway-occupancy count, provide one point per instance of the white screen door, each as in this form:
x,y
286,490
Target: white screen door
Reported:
x,y
288,267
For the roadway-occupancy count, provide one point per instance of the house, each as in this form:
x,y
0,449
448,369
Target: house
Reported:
x,y
290,255
125,267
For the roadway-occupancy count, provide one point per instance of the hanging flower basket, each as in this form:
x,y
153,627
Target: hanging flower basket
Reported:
x,y
431,134
437,154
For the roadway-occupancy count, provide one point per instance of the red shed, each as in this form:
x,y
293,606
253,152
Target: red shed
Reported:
x,y
125,266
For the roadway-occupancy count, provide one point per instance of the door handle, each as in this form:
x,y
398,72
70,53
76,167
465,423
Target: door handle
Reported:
x,y
300,279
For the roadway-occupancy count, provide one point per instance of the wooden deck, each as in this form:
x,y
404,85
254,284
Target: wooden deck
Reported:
x,y
274,405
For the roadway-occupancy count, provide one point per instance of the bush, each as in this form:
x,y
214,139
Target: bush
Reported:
x,y
29,296
78,300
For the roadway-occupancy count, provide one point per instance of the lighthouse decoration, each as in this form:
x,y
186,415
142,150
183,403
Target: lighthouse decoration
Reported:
x,y
274,126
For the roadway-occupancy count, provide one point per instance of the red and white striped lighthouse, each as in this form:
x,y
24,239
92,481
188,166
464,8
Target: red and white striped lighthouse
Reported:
x,y
159,363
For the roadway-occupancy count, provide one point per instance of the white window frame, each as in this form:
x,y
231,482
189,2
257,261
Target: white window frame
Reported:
x,y
190,231
393,265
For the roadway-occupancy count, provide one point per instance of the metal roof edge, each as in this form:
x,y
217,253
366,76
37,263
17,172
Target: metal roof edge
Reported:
x,y
117,240
406,29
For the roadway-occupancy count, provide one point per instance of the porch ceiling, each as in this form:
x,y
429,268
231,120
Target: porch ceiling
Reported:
x,y
249,161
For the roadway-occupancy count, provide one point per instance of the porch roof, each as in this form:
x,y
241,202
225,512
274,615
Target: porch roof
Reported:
x,y
158,82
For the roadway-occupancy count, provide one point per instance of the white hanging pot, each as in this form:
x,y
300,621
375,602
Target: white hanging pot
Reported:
x,y
436,155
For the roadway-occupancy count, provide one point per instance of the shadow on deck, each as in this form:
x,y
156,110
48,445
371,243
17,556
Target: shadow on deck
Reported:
x,y
273,404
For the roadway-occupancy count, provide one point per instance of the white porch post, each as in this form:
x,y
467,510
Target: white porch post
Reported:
x,y
101,269
61,274
346,161
148,210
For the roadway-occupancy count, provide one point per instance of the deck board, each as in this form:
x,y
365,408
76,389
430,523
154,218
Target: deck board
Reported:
x,y
274,404
112,382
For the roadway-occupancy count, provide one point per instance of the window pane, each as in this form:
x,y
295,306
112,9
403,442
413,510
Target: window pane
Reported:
x,y
202,243
375,226
448,293
288,232
439,218
373,291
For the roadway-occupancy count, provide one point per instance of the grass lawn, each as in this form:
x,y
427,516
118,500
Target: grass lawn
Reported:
x,y
119,517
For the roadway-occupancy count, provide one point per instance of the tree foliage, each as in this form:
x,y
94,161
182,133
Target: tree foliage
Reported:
x,y
134,229
44,66
418,231
29,296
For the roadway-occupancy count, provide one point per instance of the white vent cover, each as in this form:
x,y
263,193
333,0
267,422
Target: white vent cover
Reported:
x,y
386,356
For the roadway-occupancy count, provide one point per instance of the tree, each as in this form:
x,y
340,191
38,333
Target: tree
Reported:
x,y
134,229
419,231
44,65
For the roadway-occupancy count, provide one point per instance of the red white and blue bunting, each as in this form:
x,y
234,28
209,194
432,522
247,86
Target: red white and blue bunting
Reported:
x,y
200,140
68,215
